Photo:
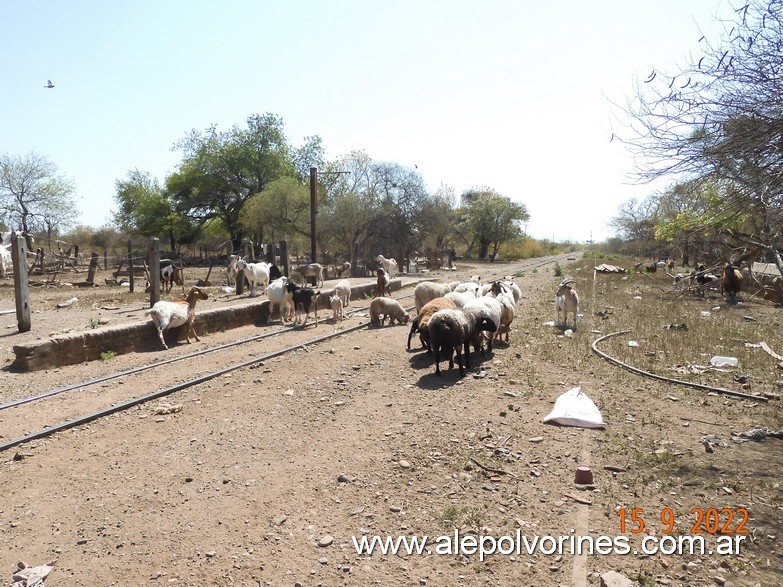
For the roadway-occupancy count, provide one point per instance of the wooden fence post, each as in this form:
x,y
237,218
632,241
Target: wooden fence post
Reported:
x,y
130,264
154,271
21,282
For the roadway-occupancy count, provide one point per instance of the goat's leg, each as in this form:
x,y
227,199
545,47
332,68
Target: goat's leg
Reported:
x,y
160,336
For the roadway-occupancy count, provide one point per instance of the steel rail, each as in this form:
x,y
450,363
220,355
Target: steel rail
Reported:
x,y
667,379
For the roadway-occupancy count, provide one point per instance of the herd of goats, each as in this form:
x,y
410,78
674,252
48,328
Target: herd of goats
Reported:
x,y
450,317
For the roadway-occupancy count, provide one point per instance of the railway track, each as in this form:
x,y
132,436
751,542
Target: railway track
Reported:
x,y
25,420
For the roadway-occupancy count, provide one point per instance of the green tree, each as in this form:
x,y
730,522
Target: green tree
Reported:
x,y
222,171
489,219
350,214
145,209
718,122
280,211
33,194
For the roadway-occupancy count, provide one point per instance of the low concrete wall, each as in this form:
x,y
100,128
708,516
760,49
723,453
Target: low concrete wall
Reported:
x,y
78,347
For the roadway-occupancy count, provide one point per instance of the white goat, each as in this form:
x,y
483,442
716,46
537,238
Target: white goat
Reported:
x,y
567,301
343,289
312,270
5,260
167,315
336,303
280,296
231,269
257,274
389,265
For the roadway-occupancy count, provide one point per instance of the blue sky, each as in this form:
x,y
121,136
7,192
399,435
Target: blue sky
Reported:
x,y
514,95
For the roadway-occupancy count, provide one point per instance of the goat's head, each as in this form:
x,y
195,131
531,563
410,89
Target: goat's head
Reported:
x,y
196,293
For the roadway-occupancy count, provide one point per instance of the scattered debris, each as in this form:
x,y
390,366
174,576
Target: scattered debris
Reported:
x,y
163,409
756,434
70,302
680,326
606,268
574,408
27,576
720,361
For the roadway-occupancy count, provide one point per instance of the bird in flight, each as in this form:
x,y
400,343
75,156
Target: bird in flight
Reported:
x,y
49,84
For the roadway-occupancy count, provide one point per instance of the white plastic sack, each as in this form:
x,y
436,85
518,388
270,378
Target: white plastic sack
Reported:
x,y
574,408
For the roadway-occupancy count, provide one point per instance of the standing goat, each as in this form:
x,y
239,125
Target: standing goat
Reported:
x,y
731,281
567,301
166,315
384,283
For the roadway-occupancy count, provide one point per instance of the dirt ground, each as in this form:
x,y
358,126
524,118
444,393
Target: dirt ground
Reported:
x,y
268,475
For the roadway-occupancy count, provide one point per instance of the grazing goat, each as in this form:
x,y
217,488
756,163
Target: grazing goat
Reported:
x,y
303,298
257,274
312,270
567,301
343,289
421,322
382,308
731,281
452,330
427,291
231,269
336,303
166,315
389,265
5,260
280,296
384,283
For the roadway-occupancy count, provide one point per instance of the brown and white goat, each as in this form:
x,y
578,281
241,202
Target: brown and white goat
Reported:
x,y
384,283
166,315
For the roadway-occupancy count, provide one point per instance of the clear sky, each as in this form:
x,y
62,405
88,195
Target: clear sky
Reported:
x,y
511,94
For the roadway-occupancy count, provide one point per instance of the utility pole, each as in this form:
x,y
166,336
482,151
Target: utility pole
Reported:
x,y
313,210
314,206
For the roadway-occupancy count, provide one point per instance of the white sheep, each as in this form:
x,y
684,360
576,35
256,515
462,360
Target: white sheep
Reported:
x,y
452,330
343,288
389,265
567,301
490,308
336,303
257,275
166,315
461,297
280,297
427,291
384,307
502,292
